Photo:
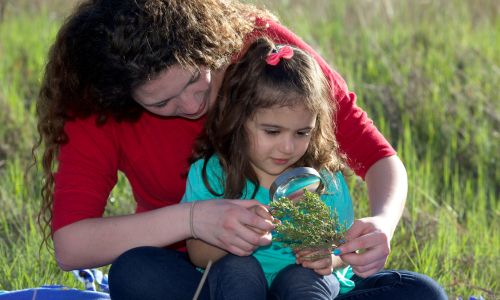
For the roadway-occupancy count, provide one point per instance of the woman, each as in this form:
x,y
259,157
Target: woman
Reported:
x,y
125,89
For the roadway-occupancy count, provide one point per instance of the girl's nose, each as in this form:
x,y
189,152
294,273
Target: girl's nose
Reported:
x,y
287,145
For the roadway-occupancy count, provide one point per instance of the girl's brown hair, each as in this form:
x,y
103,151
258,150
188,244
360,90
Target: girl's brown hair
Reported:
x,y
106,48
251,84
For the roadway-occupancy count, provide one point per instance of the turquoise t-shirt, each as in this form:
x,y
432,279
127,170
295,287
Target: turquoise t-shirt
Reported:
x,y
274,257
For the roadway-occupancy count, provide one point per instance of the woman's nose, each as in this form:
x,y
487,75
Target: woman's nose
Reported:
x,y
189,103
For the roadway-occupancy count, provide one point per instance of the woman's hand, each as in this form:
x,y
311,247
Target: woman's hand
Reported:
x,y
367,246
261,211
368,239
232,225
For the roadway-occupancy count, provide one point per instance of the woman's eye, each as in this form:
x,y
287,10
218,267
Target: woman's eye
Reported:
x,y
161,104
195,77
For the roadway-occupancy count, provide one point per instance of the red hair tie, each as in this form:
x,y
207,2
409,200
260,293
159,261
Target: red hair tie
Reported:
x,y
274,57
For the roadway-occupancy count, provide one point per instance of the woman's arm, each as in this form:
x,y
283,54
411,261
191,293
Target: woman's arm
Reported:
x,y
98,241
95,242
387,189
387,184
200,253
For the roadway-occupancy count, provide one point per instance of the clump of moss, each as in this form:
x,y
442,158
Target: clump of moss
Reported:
x,y
307,224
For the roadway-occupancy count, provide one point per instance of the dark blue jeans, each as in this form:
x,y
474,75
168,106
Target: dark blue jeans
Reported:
x,y
236,277
157,273
154,273
390,284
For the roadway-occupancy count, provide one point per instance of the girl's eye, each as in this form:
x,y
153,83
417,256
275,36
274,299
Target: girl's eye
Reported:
x,y
272,131
304,133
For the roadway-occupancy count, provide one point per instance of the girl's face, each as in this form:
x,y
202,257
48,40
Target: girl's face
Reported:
x,y
178,92
278,138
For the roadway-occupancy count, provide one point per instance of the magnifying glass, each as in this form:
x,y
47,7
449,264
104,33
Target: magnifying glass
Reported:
x,y
293,182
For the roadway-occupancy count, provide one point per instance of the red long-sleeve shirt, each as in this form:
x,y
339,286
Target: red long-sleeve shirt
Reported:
x,y
153,151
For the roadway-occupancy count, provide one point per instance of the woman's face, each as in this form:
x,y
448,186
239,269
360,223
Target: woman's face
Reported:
x,y
178,92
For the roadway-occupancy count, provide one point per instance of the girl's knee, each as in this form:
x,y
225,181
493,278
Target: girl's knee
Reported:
x,y
237,277
231,261
296,281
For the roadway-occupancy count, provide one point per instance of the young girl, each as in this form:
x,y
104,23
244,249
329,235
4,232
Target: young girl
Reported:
x,y
273,113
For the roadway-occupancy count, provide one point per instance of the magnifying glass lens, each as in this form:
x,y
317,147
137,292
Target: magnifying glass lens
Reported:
x,y
292,183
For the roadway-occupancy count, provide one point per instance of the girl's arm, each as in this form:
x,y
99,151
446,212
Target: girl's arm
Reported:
x,y
200,253
99,241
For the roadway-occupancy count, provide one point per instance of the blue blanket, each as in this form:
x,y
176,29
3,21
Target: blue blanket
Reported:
x,y
52,292
89,277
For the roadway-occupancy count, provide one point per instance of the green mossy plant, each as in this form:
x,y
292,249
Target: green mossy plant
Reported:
x,y
307,224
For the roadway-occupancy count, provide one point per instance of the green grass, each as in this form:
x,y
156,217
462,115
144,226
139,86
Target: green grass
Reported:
x,y
427,72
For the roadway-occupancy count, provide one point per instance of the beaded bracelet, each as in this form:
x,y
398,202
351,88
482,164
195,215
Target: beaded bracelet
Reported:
x,y
191,213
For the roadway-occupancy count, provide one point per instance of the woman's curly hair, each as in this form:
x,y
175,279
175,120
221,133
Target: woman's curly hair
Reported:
x,y
106,48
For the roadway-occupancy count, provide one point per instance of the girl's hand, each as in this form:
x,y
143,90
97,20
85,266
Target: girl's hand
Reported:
x,y
230,225
367,246
321,261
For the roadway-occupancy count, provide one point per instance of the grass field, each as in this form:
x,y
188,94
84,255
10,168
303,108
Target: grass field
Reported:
x,y
428,74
